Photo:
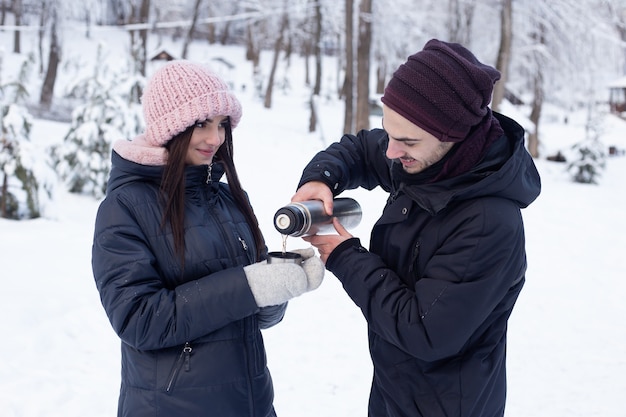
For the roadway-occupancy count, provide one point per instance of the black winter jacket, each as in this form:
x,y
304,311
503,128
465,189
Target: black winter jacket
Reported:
x,y
446,263
191,344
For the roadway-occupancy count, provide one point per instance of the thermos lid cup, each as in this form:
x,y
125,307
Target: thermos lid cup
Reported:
x,y
284,258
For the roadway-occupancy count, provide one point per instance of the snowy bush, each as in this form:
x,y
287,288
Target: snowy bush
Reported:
x,y
22,195
591,156
110,111
591,162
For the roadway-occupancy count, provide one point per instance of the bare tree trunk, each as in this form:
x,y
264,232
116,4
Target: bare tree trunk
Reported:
x,y
225,35
192,28
4,196
144,17
306,50
42,23
454,19
3,12
381,76
538,94
348,85
211,27
87,11
317,50
619,12
116,12
139,38
468,9
363,66
339,68
212,34
54,57
17,11
535,115
461,15
252,48
278,46
288,48
621,29
313,116
504,53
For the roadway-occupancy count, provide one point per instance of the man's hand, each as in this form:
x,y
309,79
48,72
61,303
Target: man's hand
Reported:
x,y
315,190
325,244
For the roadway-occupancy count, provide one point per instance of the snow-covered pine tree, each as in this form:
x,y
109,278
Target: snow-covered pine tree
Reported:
x,y
21,193
592,157
110,111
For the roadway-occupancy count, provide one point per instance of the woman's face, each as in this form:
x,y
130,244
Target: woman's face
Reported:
x,y
412,146
206,138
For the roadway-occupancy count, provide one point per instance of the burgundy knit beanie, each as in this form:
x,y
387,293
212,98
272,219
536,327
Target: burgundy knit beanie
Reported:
x,y
182,93
443,89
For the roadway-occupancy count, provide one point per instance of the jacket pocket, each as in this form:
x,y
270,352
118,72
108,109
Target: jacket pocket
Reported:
x,y
413,266
182,363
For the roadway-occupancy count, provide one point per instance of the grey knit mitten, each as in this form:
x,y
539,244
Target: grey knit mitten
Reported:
x,y
273,284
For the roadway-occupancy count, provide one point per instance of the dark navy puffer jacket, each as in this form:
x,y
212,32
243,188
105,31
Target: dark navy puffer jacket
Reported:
x,y
191,344
446,263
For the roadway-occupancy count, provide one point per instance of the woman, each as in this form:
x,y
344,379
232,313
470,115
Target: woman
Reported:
x,y
178,259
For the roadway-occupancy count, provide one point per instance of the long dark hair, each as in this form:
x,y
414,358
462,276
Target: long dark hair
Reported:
x,y
173,190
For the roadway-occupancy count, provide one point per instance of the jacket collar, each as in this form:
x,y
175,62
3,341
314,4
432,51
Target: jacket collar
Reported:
x,y
124,171
507,171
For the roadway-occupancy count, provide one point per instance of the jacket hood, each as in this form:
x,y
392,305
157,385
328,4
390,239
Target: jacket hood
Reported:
x,y
124,171
506,171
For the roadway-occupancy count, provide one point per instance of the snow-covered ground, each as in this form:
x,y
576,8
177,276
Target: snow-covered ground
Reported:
x,y
567,338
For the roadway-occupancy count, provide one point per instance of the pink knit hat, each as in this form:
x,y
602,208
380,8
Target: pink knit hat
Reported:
x,y
180,94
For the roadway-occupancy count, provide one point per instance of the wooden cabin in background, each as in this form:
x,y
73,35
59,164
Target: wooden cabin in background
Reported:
x,y
617,96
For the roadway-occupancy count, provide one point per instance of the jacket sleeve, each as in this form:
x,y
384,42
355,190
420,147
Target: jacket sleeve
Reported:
x,y
271,315
143,312
353,162
471,279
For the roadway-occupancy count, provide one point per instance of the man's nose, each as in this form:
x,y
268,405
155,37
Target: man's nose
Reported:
x,y
394,151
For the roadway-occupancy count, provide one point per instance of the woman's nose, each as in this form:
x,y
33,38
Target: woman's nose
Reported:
x,y
213,135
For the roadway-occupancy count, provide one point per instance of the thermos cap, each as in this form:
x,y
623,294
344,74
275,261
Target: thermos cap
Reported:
x,y
291,219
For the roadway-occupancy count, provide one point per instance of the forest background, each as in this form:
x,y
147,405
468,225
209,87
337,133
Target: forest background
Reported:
x,y
562,52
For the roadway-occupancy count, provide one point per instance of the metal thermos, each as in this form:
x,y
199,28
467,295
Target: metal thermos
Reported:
x,y
308,217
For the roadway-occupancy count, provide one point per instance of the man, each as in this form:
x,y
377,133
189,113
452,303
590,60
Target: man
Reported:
x,y
447,257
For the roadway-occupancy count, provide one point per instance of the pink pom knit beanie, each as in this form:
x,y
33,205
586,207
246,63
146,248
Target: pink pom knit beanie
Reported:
x,y
180,94
443,89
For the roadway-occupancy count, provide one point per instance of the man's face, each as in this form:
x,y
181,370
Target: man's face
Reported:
x,y
409,144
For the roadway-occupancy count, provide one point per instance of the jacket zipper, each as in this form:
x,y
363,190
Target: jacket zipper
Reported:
x,y
414,254
183,362
244,245
208,173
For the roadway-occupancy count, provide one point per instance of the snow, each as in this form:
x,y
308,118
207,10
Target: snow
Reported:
x,y
567,338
